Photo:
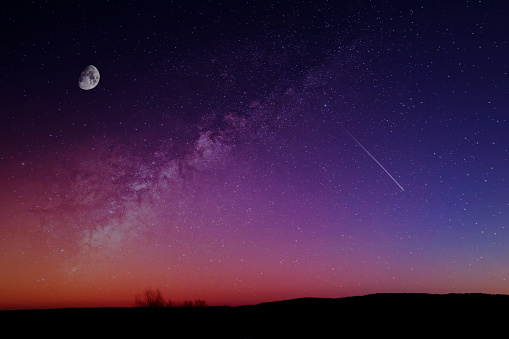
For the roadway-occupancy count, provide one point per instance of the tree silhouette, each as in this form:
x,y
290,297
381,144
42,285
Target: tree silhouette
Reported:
x,y
200,303
150,298
154,298
187,303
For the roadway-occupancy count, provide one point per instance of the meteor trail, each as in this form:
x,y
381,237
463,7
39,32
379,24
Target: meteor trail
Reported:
x,y
372,157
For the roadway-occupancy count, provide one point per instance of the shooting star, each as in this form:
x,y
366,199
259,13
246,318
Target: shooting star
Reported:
x,y
372,157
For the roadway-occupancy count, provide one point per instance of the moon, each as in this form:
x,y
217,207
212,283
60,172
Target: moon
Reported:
x,y
89,78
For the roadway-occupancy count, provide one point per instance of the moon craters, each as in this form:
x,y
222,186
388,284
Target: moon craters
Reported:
x,y
89,78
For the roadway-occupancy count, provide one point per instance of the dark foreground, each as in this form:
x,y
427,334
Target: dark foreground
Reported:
x,y
402,315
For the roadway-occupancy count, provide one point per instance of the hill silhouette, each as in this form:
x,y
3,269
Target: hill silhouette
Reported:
x,y
374,314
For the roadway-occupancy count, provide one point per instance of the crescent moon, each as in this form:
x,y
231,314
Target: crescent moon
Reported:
x,y
89,78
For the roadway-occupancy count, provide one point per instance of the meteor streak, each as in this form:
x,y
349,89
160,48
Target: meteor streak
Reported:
x,y
372,157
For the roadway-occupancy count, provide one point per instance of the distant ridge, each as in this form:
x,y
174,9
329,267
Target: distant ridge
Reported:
x,y
404,314
376,298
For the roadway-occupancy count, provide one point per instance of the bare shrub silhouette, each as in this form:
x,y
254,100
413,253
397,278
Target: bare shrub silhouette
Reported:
x,y
200,303
154,298
150,298
187,303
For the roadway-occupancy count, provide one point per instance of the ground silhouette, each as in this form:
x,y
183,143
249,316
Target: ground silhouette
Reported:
x,y
375,314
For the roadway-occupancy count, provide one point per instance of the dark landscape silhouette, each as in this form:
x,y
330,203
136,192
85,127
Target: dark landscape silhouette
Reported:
x,y
440,315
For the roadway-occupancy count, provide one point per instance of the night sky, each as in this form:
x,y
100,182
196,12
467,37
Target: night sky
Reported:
x,y
249,151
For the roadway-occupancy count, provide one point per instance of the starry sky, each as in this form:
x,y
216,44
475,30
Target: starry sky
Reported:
x,y
249,151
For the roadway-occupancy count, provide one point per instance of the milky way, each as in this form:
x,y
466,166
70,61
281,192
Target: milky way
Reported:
x,y
212,160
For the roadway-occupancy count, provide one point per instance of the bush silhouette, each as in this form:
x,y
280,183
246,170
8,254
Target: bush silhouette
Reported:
x,y
187,303
200,303
150,298
154,298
